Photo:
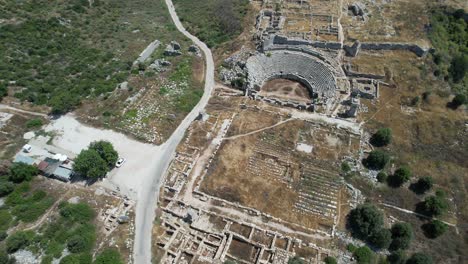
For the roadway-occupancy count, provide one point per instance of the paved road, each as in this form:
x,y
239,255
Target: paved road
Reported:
x,y
146,204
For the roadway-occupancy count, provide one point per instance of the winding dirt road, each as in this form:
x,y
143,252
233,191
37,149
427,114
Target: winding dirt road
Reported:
x,y
146,204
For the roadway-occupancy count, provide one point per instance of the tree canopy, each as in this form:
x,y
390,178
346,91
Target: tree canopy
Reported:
x,y
365,220
363,255
20,172
402,235
435,205
381,239
401,176
376,160
330,260
108,256
435,228
423,185
106,150
382,137
90,164
419,258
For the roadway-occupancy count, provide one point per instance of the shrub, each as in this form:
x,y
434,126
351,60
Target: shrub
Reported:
x,y
397,257
295,260
458,100
20,172
90,164
376,160
5,259
345,168
435,205
434,229
18,241
402,234
381,239
6,188
423,185
351,247
106,150
400,176
330,260
80,212
419,258
363,255
76,244
382,177
34,123
382,137
365,220
109,256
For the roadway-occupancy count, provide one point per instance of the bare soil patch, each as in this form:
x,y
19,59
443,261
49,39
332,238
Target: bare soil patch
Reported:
x,y
286,89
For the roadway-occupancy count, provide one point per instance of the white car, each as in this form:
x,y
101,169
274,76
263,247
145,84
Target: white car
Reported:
x,y
119,162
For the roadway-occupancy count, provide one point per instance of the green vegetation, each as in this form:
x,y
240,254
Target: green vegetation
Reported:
x,y
6,188
401,176
18,241
458,100
419,258
212,21
381,239
295,260
20,172
397,257
106,151
363,255
90,164
97,160
382,177
109,256
34,123
382,137
345,168
402,235
330,260
366,223
423,185
449,35
435,205
376,160
3,90
434,229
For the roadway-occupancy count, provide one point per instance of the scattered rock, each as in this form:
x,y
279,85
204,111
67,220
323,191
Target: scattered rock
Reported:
x,y
29,135
74,200
173,49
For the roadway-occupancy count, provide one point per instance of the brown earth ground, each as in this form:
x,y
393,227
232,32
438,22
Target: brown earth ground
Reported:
x,y
286,90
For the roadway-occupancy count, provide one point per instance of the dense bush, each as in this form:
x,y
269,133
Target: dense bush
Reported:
x,y
423,185
457,101
435,228
5,259
330,260
20,172
382,176
80,212
295,260
449,36
402,235
365,220
3,90
90,164
381,239
397,257
108,256
363,255
401,176
106,150
382,137
6,188
18,241
376,160
435,205
419,258
34,123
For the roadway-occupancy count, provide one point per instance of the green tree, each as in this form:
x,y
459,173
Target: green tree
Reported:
x,y
419,258
3,90
382,177
20,172
365,220
6,188
397,257
345,168
330,260
376,160
77,244
90,164
423,185
458,100
295,260
381,239
5,259
34,123
435,228
363,255
109,256
402,235
382,137
435,205
400,176
18,241
106,151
